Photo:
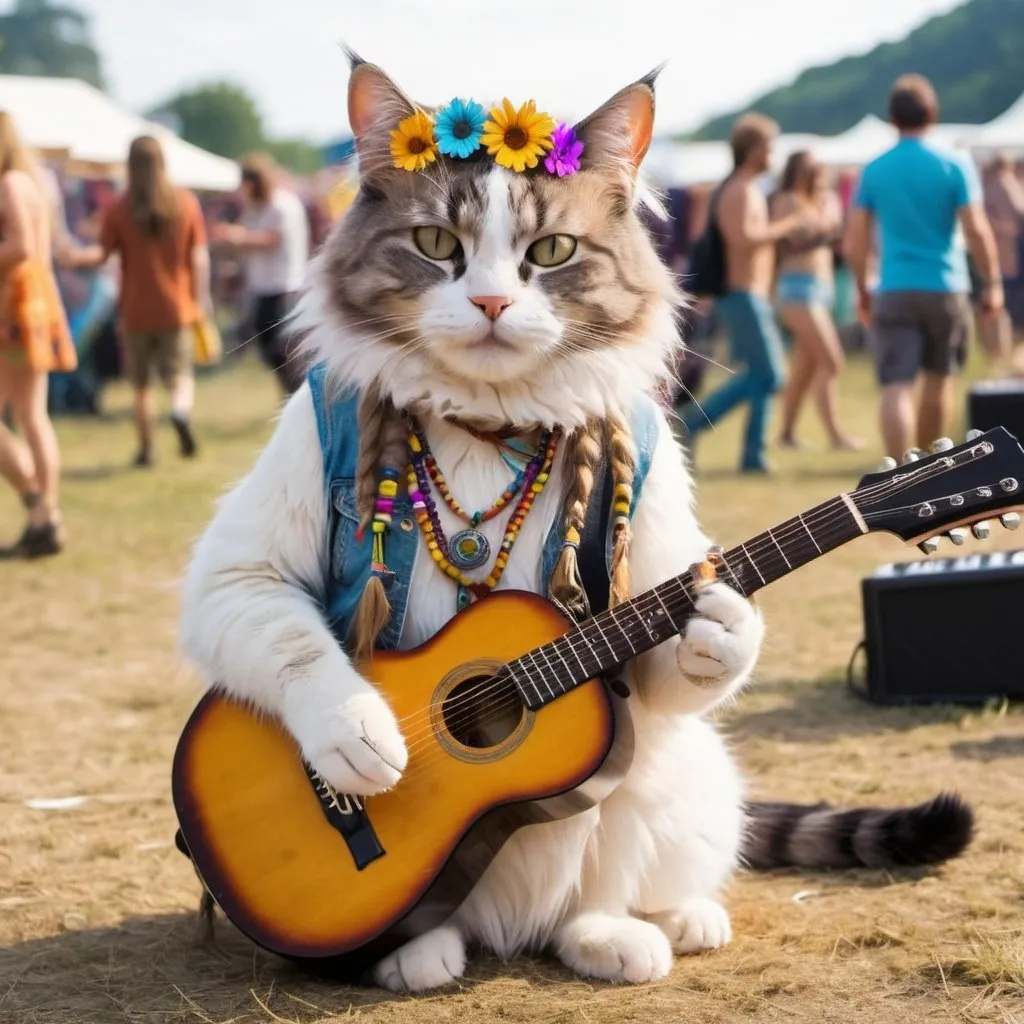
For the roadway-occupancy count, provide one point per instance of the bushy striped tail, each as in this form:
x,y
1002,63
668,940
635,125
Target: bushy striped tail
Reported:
x,y
819,836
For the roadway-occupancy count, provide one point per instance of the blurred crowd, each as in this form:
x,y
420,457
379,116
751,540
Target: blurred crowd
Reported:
x,y
141,278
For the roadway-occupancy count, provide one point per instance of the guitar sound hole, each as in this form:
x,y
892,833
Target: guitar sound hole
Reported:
x,y
482,712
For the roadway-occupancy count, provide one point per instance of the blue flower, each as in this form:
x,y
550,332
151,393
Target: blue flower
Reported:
x,y
458,127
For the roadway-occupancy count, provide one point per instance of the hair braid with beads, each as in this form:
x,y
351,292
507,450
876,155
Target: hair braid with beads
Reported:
x,y
582,461
382,446
622,453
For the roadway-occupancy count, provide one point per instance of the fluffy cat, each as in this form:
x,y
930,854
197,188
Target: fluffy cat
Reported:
x,y
615,891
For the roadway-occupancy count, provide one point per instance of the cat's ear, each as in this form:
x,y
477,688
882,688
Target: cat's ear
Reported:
x,y
619,132
375,106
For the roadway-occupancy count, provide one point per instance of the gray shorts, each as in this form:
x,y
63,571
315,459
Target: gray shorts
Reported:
x,y
914,331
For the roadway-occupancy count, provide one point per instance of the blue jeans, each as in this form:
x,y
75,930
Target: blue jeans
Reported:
x,y
757,351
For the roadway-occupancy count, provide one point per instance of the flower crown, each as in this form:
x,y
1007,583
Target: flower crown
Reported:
x,y
517,139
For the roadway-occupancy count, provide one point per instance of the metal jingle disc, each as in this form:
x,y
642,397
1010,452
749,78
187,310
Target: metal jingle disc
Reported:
x,y
469,549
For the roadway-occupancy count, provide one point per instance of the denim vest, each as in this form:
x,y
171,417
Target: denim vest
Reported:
x,y
337,420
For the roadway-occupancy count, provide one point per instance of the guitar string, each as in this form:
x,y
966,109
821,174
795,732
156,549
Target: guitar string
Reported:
x,y
511,696
576,643
568,642
771,543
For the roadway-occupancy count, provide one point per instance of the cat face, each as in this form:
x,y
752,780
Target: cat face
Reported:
x,y
469,277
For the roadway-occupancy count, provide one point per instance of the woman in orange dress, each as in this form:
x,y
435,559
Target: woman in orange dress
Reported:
x,y
34,341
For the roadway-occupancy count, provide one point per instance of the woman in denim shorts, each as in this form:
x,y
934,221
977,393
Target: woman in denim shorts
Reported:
x,y
804,294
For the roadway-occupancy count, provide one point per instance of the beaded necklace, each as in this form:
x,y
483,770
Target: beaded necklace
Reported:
x,y
469,549
530,458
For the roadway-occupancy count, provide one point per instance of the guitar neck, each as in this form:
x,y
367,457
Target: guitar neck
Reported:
x,y
609,640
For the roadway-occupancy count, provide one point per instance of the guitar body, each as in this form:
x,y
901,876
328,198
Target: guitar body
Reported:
x,y
310,874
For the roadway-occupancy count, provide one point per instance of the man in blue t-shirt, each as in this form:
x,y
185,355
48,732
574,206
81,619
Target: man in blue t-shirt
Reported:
x,y
925,202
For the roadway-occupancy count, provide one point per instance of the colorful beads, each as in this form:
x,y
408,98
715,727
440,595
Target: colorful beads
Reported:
x,y
423,471
418,445
383,506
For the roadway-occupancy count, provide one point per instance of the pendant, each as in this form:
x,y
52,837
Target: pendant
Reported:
x,y
469,549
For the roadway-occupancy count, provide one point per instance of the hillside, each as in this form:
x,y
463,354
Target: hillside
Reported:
x,y
972,55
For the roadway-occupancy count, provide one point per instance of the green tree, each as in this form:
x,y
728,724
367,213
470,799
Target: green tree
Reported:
x,y
971,54
220,117
41,37
296,155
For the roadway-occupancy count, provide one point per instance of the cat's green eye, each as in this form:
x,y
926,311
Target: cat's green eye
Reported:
x,y
551,251
435,243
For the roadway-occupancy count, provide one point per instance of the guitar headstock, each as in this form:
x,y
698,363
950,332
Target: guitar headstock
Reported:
x,y
946,490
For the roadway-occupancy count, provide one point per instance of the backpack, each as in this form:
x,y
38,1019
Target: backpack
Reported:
x,y
707,267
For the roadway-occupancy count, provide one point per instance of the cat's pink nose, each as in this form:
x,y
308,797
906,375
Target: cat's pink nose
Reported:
x,y
492,306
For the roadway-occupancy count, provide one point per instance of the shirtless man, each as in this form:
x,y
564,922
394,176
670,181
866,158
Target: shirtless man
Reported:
x,y
741,214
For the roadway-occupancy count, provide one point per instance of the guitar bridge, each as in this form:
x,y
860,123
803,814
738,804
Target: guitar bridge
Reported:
x,y
347,815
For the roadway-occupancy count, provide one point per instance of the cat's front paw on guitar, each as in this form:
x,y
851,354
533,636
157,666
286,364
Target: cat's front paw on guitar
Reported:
x,y
721,642
355,744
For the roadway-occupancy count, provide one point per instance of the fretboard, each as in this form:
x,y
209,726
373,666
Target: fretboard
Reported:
x,y
607,641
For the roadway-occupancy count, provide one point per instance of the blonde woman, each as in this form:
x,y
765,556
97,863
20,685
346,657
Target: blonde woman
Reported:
x,y
34,341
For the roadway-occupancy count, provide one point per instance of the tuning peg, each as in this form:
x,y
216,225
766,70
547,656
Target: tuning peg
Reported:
x,y
887,464
929,546
982,530
1011,520
913,454
974,433
958,535
943,444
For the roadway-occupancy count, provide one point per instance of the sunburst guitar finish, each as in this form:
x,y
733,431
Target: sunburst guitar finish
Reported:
x,y
259,827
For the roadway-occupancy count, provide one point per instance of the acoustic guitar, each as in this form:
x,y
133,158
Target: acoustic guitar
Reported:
x,y
512,714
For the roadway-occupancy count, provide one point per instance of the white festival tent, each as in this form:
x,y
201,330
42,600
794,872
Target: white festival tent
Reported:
x,y
1003,134
674,163
71,121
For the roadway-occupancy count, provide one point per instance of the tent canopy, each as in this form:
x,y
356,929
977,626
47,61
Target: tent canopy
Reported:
x,y
64,115
1003,133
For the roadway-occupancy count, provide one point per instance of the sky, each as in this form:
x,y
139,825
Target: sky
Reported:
x,y
569,55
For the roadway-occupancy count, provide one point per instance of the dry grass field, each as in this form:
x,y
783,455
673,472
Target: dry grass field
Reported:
x,y
97,908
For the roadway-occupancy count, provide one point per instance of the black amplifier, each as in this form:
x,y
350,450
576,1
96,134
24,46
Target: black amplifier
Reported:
x,y
946,629
997,403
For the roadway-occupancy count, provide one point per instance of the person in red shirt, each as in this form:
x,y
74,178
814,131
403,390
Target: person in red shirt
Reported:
x,y
158,232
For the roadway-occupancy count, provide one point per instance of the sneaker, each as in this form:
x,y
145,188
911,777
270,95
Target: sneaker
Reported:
x,y
186,439
144,460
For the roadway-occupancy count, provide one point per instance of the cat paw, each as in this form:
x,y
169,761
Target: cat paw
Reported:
x,y
434,959
721,642
620,949
698,924
354,744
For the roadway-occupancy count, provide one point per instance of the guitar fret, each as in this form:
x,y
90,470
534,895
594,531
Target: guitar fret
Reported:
x,y
596,623
779,546
582,633
613,615
803,523
668,614
743,548
567,639
545,676
522,686
632,606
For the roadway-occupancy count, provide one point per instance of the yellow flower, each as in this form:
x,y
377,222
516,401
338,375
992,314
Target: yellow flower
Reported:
x,y
412,143
517,139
